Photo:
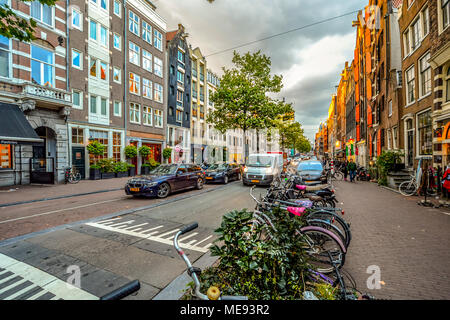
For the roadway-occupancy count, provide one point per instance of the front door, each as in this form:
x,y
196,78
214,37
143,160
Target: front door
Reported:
x,y
78,160
410,145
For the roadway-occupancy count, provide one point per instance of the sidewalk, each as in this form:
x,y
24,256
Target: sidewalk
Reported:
x,y
21,193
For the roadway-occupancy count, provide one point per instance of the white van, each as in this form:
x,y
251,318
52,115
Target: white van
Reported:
x,y
262,168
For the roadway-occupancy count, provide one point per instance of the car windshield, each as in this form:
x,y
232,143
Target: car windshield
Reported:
x,y
310,166
165,169
259,161
220,166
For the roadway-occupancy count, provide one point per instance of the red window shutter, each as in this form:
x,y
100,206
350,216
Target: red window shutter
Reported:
x,y
379,143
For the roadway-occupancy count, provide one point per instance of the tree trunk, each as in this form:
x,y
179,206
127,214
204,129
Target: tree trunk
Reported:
x,y
245,146
257,141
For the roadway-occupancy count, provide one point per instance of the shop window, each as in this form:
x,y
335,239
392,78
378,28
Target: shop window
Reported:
x,y
78,135
117,146
6,154
425,133
102,137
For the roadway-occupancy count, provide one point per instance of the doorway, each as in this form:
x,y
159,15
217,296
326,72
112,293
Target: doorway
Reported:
x,y
42,164
78,160
409,143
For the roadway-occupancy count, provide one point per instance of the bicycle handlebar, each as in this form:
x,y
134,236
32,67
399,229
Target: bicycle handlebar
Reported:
x,y
188,228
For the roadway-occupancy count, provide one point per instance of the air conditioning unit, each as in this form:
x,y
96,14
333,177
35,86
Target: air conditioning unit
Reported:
x,y
399,78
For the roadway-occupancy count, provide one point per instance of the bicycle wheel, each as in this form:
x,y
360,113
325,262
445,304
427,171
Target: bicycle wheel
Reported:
x,y
337,221
338,176
407,188
320,244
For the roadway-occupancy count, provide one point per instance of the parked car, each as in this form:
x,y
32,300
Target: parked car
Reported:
x,y
261,169
223,172
311,171
166,179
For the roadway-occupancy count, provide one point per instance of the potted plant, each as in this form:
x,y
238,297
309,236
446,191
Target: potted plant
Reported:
x,y
131,153
167,154
96,149
121,169
144,151
107,168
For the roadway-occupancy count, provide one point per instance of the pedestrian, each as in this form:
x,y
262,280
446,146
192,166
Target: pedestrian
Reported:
x,y
352,170
446,183
345,169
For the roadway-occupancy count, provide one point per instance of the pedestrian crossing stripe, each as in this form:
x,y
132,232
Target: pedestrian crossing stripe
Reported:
x,y
151,233
20,281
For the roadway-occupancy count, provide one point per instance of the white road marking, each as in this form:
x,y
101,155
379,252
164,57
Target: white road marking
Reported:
x,y
204,240
12,285
109,220
57,211
121,223
189,236
169,232
20,292
132,227
8,278
151,229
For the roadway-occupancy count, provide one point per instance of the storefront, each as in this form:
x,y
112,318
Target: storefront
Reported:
x,y
178,139
155,145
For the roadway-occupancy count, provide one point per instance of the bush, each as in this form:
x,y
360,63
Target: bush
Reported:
x,y
270,269
144,151
152,164
385,163
120,167
130,165
131,151
106,165
167,153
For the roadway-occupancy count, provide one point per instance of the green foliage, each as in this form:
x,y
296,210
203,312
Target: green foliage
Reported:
x,y
120,167
130,165
14,26
385,163
106,165
130,151
144,151
96,148
261,268
167,153
152,164
291,135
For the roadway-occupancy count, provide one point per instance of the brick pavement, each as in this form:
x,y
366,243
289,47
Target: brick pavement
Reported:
x,y
409,243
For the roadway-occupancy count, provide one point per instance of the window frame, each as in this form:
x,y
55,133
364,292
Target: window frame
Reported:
x,y
79,107
421,75
53,65
52,8
118,36
157,39
120,8
147,56
80,67
119,114
137,81
120,75
147,30
148,117
80,27
155,90
155,60
413,82
138,113
159,117
9,57
134,22
148,87
132,53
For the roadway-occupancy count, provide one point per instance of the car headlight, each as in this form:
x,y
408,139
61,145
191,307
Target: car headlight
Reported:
x,y
151,184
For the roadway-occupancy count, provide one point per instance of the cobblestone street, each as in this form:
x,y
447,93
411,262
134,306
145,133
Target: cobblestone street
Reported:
x,y
408,242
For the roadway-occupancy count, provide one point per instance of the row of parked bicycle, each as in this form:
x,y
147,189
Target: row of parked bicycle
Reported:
x,y
326,233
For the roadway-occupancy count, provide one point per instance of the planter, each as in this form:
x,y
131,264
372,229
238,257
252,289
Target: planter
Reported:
x,y
94,174
108,175
145,170
121,174
132,172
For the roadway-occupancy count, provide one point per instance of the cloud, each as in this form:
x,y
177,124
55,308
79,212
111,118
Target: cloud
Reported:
x,y
310,59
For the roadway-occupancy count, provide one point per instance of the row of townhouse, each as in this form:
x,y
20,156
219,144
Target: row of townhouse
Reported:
x,y
395,94
105,70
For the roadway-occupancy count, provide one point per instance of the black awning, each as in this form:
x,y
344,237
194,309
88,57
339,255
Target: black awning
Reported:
x,y
14,127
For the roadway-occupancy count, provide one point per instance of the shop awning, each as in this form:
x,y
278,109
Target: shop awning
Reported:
x,y
14,127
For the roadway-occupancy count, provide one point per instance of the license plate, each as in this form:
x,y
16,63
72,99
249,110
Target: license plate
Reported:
x,y
209,178
135,189
255,181
309,181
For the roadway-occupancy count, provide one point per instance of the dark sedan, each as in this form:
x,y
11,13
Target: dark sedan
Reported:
x,y
223,173
166,179
311,172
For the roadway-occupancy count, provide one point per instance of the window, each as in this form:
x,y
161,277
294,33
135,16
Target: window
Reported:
x,y
180,56
42,13
5,56
147,60
390,108
103,106
147,116
415,34
42,66
425,75
93,30
445,13
158,93
117,146
78,135
425,133
93,104
103,4
406,42
77,99
135,53
102,137
93,67
77,19
135,83
158,40
117,108
135,110
77,58
103,71
134,23
425,21
146,88
180,77
158,69
179,99
158,118
447,82
117,8
117,41
410,85
6,154
117,75
147,32
179,116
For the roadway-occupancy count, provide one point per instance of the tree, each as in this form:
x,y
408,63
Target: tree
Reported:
x,y
242,101
13,26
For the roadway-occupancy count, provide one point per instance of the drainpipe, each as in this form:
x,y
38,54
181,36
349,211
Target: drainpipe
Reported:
x,y
125,91
69,158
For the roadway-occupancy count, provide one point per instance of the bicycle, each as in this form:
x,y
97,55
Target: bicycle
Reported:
x,y
72,175
410,187
213,293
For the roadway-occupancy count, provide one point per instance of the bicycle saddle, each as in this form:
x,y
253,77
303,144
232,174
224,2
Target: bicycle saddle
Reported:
x,y
300,187
297,211
304,203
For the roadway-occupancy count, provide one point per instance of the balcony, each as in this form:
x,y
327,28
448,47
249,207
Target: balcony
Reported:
x,y
48,96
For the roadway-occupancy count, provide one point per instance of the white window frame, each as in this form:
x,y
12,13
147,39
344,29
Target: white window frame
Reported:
x,y
100,5
120,8
52,8
80,107
134,20
118,36
99,73
137,80
119,114
421,93
149,88
133,53
41,62
425,17
158,62
107,106
134,111
157,86
147,115
80,67
147,29
90,103
408,102
147,56
80,27
157,39
120,74
9,54
390,108
158,114
102,27
91,22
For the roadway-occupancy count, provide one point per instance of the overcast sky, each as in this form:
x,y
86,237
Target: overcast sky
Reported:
x,y
310,60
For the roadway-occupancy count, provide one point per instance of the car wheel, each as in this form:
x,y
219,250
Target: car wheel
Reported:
x,y
163,190
199,184
225,179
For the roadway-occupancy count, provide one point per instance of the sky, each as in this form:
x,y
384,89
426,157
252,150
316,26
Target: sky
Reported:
x,y
310,60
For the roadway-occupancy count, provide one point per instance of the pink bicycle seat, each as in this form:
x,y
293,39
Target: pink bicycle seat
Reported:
x,y
296,211
304,203
301,187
